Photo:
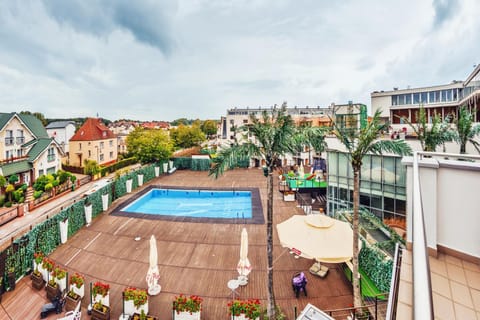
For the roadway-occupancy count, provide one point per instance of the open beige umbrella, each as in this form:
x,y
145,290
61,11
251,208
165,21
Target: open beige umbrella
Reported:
x,y
153,275
317,237
243,266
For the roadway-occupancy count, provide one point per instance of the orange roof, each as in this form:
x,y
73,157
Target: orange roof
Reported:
x,y
93,129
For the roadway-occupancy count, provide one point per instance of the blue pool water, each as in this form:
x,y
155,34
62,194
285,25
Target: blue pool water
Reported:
x,y
194,203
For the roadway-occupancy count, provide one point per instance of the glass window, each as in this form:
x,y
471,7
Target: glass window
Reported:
x,y
408,98
364,200
389,204
376,171
342,165
343,194
365,170
400,207
400,172
423,97
332,163
394,100
416,98
449,95
431,96
389,170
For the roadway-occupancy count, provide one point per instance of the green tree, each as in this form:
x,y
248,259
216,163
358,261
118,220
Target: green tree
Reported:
x,y
187,136
181,121
275,135
465,130
90,167
3,181
360,142
431,135
149,145
38,115
209,127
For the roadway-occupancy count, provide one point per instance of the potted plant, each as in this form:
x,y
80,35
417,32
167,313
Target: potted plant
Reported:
x,y
100,311
37,277
87,205
52,287
100,293
135,301
143,316
105,199
63,224
289,195
72,300
77,284
128,183
60,276
244,309
47,267
140,179
187,308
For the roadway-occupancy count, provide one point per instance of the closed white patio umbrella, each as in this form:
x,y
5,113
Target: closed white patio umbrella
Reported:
x,y
243,266
317,237
153,275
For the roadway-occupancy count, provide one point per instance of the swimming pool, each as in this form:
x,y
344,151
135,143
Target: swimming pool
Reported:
x,y
195,204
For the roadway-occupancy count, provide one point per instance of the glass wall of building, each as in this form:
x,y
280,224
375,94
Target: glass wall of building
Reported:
x,y
382,184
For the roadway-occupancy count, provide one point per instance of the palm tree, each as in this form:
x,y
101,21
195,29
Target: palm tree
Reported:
x,y
275,135
360,142
465,131
434,135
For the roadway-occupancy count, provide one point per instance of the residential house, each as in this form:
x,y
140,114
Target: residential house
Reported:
x,y
61,131
122,129
25,148
93,141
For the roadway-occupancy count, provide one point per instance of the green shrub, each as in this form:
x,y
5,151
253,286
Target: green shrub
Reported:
x,y
2,200
17,194
13,179
8,204
48,187
37,194
55,183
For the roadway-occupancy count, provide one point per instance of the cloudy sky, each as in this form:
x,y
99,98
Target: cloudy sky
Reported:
x,y
163,60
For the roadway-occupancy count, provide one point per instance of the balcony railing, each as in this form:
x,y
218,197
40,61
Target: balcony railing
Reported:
x,y
9,141
51,157
20,140
13,159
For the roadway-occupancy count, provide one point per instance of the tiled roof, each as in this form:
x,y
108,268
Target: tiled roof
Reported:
x,y
15,167
38,148
93,129
59,124
32,123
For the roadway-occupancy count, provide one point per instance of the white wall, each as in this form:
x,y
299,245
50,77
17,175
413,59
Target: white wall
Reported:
x,y
450,204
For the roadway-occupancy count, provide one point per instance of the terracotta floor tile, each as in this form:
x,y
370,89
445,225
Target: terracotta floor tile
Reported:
x,y
476,298
441,285
461,294
443,307
473,279
453,260
404,311
438,266
456,273
405,292
464,313
471,266
406,272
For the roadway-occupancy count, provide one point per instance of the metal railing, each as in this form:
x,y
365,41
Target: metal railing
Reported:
x,y
393,295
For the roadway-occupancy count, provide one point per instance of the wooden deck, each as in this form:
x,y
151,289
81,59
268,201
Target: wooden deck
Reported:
x,y
194,258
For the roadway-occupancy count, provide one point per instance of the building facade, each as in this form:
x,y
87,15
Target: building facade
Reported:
x,y
25,148
62,132
443,100
93,141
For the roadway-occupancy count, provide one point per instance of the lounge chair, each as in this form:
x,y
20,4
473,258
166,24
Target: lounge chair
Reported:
x,y
318,270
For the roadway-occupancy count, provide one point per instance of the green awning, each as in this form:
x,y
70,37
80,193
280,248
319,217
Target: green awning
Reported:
x,y
15,167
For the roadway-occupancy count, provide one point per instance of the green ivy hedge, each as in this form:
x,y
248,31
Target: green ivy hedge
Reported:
x,y
376,265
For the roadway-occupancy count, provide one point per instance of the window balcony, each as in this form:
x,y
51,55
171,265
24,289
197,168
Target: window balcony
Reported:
x,y
51,157
20,140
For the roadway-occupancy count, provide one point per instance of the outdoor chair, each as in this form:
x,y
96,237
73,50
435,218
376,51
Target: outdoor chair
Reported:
x,y
318,270
299,283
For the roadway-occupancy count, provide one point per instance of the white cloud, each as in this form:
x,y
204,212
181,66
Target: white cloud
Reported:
x,y
166,60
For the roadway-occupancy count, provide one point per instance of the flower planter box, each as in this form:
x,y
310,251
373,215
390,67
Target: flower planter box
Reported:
x,y
165,167
105,300
130,308
62,283
170,164
242,316
140,180
63,231
80,291
157,171
184,315
105,202
101,314
52,291
136,316
128,185
71,301
88,214
37,281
